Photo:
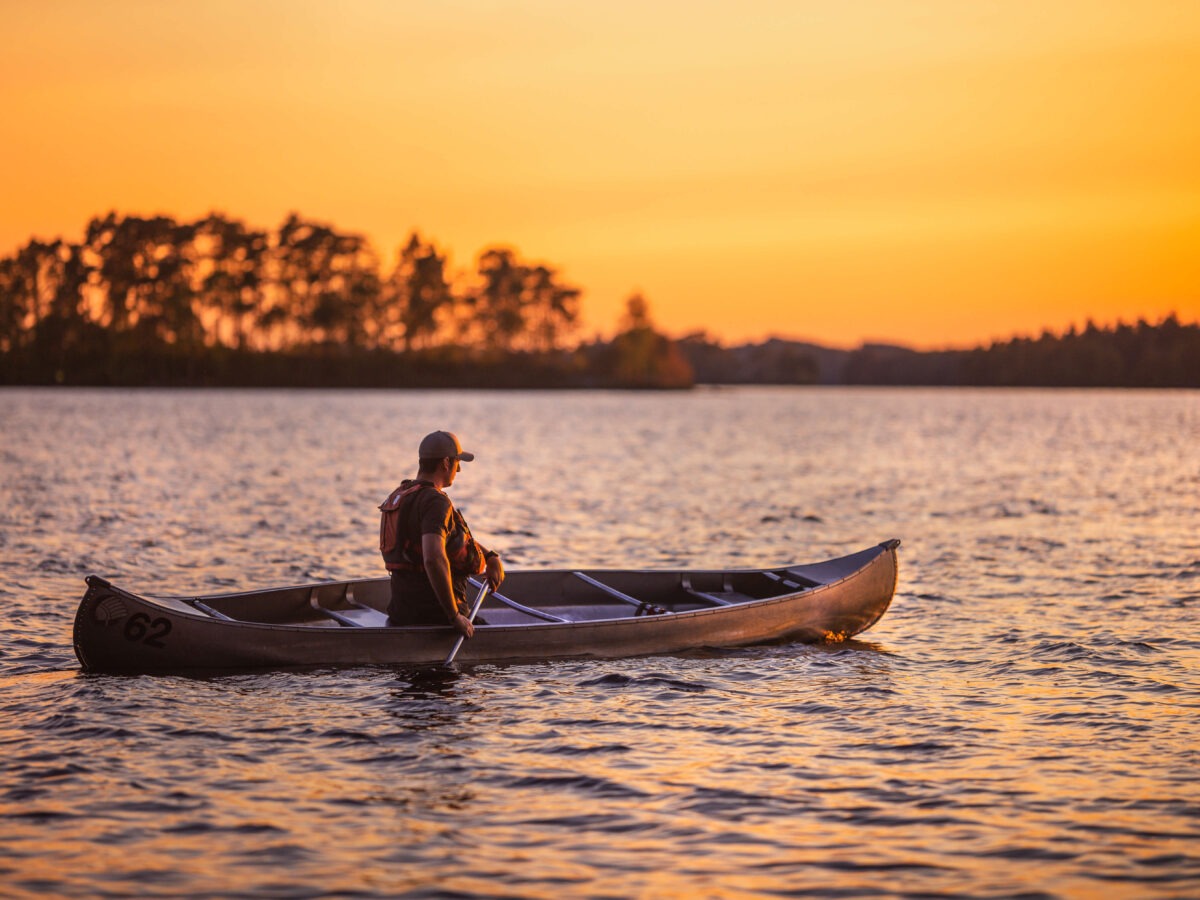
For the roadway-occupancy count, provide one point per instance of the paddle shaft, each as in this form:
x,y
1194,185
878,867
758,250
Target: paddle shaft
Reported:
x,y
483,589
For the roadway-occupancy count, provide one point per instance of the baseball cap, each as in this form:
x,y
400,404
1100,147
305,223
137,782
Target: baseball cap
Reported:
x,y
443,444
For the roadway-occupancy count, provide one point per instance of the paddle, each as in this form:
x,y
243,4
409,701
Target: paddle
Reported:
x,y
483,589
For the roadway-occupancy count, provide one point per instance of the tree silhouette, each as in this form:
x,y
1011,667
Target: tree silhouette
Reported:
x,y
518,307
145,275
643,358
230,258
552,309
417,295
496,305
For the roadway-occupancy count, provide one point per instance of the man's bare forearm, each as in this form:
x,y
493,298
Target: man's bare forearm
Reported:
x,y
437,570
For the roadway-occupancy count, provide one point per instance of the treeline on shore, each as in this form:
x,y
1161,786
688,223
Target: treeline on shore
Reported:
x,y
1166,354
154,301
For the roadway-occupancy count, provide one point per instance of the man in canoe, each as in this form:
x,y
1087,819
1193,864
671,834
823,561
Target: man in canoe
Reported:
x,y
427,546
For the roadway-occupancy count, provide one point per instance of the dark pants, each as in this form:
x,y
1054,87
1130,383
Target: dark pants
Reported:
x,y
414,602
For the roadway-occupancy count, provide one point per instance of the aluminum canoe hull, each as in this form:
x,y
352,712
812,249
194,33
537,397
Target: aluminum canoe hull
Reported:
x,y
119,631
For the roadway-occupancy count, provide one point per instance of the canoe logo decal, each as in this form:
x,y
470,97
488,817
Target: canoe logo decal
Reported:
x,y
110,610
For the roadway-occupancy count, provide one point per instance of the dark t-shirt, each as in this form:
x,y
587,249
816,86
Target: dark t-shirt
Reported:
x,y
431,513
413,599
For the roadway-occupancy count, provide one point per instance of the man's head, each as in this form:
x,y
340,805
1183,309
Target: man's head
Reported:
x,y
440,453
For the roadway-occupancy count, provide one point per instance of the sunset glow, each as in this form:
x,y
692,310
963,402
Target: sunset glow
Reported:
x,y
933,173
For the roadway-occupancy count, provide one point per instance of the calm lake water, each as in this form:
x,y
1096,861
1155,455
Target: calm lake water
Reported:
x,y
1025,721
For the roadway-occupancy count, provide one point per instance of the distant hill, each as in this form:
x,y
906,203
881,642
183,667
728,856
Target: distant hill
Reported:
x,y
1141,355
775,361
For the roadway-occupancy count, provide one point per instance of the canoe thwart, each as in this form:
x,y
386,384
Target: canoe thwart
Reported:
x,y
644,608
792,580
215,613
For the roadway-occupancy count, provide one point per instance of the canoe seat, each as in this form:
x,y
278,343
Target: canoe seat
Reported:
x,y
358,616
362,618
361,613
710,597
726,597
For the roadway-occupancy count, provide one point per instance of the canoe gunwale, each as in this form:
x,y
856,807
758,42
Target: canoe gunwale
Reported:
x,y
231,622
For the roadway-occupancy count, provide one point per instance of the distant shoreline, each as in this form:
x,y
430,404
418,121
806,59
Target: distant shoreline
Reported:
x,y
157,302
1147,356
553,389
1166,355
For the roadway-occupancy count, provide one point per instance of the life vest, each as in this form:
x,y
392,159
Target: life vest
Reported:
x,y
401,547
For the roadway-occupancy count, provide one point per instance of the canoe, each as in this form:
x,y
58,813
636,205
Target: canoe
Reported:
x,y
537,615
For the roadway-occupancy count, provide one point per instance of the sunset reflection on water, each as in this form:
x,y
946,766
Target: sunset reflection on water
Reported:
x,y
1022,720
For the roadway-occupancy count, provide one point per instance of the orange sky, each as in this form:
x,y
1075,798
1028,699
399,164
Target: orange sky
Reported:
x,y
932,173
